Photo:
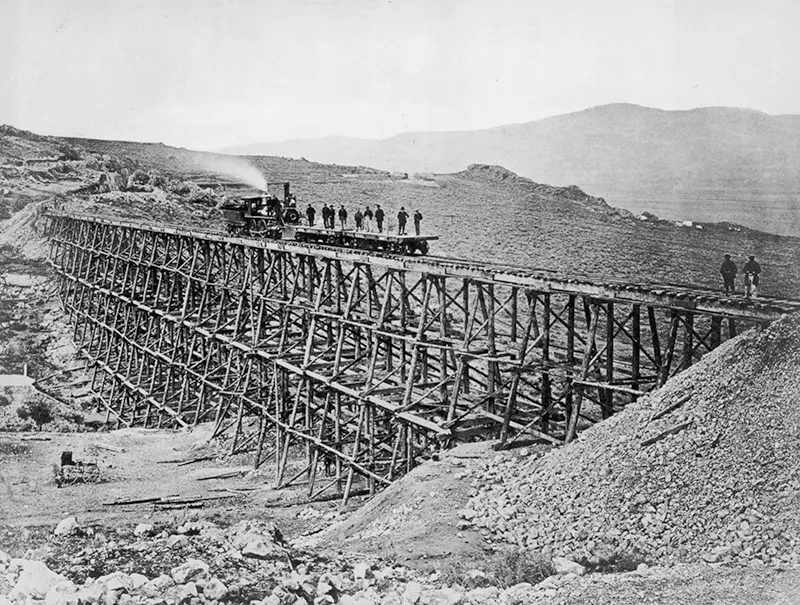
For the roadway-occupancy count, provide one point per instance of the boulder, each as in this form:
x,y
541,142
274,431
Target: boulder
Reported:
x,y
214,590
35,580
192,569
183,593
246,532
138,580
63,593
117,585
412,592
143,529
157,586
563,566
443,596
360,571
91,593
67,527
117,581
177,540
259,548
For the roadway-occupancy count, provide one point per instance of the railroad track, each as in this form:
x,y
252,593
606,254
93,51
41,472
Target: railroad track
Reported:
x,y
553,280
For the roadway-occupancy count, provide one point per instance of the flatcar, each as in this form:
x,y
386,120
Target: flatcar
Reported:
x,y
266,216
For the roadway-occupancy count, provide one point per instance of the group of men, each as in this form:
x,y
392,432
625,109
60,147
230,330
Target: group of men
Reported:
x,y
363,219
751,270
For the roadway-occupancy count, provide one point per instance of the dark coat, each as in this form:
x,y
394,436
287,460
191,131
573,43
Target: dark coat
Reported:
x,y
753,267
728,268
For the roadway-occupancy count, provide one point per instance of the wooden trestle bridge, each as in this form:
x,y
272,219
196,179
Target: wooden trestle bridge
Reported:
x,y
365,362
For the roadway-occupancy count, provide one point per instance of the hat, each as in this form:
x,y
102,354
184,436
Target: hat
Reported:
x,y
727,256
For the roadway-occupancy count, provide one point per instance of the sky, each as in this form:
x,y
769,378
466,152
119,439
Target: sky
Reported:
x,y
207,74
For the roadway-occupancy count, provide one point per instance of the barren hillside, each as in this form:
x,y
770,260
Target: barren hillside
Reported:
x,y
490,213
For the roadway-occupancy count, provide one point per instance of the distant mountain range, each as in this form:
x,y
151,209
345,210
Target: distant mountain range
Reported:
x,y
714,163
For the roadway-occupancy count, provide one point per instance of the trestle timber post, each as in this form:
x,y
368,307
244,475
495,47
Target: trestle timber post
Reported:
x,y
344,368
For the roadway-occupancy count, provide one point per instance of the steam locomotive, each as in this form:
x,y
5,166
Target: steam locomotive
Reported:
x,y
267,216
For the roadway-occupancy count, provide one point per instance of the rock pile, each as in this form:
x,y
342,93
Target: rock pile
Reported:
x,y
198,562
708,467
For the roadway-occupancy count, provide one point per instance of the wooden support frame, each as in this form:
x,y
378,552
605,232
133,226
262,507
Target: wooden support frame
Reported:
x,y
343,368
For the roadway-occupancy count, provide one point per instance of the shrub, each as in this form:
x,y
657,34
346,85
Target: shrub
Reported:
x,y
38,411
502,569
615,561
18,204
512,566
68,152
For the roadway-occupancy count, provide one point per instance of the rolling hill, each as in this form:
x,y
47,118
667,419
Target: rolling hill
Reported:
x,y
483,213
708,164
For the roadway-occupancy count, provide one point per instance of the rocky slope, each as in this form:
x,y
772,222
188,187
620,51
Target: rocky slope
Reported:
x,y
705,468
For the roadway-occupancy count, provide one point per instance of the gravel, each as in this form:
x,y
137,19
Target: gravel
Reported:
x,y
724,487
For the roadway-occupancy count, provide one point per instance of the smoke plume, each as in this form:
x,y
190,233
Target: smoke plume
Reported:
x,y
236,168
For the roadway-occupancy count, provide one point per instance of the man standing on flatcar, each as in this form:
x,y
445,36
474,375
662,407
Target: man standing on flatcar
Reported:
x,y
402,217
343,216
379,217
417,220
310,212
368,219
359,217
326,216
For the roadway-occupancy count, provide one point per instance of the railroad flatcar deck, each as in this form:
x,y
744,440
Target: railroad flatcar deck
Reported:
x,y
367,240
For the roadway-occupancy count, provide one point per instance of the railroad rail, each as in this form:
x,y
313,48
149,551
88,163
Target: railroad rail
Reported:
x,y
364,361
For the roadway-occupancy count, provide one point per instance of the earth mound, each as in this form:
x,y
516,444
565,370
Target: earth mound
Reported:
x,y
416,520
708,467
